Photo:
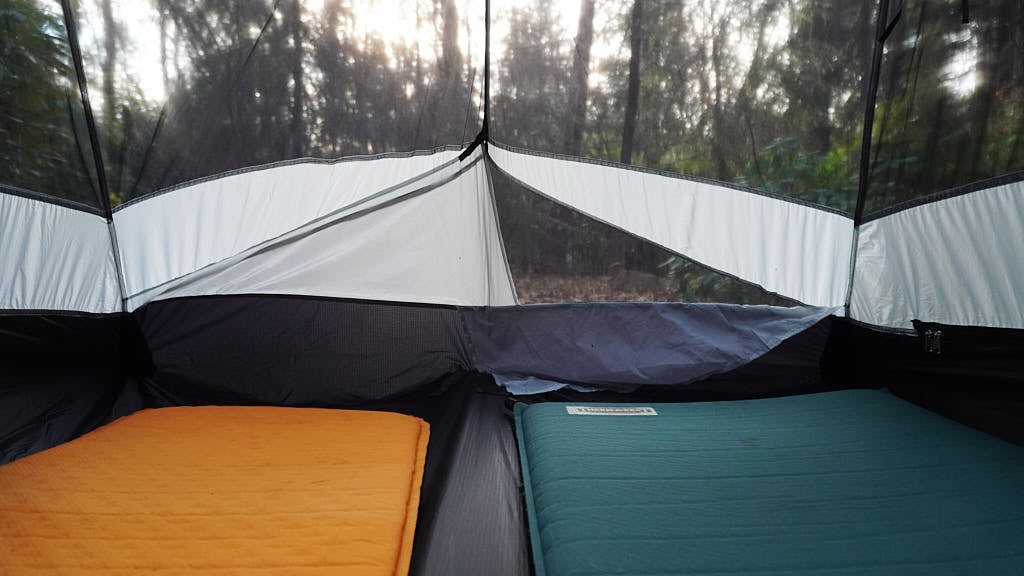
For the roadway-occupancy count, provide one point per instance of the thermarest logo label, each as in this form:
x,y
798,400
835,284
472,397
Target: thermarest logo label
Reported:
x,y
611,410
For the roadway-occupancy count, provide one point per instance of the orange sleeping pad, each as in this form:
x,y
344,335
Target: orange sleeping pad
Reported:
x,y
224,489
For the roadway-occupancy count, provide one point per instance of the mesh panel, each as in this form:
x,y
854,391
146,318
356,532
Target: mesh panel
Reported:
x,y
557,254
184,90
44,145
760,93
950,100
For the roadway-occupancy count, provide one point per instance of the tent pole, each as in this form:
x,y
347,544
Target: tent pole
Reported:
x,y
883,27
487,66
482,137
94,141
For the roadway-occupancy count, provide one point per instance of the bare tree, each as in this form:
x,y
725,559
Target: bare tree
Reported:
x,y
580,73
633,92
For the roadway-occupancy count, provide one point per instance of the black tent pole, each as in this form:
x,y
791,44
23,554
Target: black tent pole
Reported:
x,y
883,27
487,68
483,136
94,141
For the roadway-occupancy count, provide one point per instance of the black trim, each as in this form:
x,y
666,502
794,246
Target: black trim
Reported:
x,y
487,68
483,137
94,140
263,29
667,174
292,162
882,31
764,290
323,222
78,143
881,328
90,121
978,186
339,299
40,197
63,313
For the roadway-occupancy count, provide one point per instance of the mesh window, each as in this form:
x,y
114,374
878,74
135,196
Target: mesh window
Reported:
x,y
44,144
185,89
759,93
557,254
950,105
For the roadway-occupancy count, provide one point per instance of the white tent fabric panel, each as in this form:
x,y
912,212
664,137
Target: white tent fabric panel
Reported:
x,y
954,261
794,250
55,258
439,247
170,235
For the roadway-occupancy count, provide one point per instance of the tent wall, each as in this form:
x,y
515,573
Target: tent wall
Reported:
x,y
166,237
790,248
975,379
63,375
437,245
953,261
55,257
295,351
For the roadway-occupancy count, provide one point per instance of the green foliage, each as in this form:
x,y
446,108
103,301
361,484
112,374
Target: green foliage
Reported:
x,y
37,99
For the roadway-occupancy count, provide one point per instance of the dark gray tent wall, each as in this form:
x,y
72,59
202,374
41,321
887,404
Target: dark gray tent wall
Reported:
x,y
74,359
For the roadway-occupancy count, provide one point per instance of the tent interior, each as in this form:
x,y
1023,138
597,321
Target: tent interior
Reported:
x,y
783,238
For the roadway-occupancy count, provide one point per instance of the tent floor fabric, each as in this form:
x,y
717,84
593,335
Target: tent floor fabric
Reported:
x,y
850,482
224,489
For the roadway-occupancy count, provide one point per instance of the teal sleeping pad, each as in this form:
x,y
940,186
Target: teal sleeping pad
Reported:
x,y
841,483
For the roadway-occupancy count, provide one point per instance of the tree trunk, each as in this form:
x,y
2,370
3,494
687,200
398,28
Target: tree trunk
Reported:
x,y
162,10
821,91
110,49
633,91
580,72
297,129
717,115
447,106
617,239
992,45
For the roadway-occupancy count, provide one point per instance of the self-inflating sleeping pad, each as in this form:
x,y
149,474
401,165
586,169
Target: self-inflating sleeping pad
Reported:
x,y
222,489
853,482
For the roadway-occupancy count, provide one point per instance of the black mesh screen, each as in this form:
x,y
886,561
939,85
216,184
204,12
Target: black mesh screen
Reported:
x,y
950,101
760,93
44,144
557,254
183,90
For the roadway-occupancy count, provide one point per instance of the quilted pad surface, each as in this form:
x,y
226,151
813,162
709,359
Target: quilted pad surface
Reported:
x,y
842,483
221,489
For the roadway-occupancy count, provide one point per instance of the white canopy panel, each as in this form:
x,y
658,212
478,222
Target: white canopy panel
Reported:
x,y
794,250
168,236
954,261
55,258
438,246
